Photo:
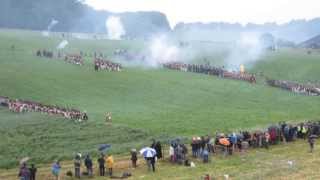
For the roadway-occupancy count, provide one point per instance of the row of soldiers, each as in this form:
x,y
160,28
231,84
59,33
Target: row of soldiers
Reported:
x,y
210,70
44,53
74,59
101,64
20,106
310,90
69,58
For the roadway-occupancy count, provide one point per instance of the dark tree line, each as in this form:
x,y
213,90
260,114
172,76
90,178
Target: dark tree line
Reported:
x,y
37,14
75,16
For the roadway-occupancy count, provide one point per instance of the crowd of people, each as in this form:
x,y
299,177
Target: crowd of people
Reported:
x,y
74,59
201,147
210,70
309,89
101,64
26,173
69,58
20,106
45,53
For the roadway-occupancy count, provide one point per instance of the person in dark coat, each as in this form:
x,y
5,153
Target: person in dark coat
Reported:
x,y
101,163
134,158
88,164
33,171
153,145
153,162
311,141
158,149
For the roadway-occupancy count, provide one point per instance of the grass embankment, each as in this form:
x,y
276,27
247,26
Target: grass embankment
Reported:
x,y
145,103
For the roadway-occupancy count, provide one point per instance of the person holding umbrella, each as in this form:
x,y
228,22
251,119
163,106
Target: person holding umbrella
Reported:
x,y
153,162
225,143
150,156
24,172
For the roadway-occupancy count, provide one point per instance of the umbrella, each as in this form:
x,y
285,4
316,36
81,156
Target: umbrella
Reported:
x,y
104,147
24,160
148,152
313,136
224,141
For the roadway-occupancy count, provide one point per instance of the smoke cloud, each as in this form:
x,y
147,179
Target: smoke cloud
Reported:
x,y
62,44
247,50
50,26
115,28
161,50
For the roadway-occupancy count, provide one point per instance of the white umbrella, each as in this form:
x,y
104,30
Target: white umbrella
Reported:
x,y
148,152
24,160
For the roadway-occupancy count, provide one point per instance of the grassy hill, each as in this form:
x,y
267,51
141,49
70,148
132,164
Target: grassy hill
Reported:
x,y
145,103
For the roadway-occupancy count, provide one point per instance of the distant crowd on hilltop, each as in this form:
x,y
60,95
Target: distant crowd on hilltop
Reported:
x,y
21,106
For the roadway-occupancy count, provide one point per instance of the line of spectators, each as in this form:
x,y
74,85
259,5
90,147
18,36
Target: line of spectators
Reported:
x,y
202,147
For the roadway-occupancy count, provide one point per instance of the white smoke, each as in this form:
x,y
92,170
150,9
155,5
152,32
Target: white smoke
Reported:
x,y
45,33
246,51
50,26
62,44
115,28
161,50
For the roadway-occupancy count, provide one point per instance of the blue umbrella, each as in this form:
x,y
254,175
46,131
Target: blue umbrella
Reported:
x,y
148,152
104,147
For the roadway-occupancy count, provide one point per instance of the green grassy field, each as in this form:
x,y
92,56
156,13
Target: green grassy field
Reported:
x,y
145,103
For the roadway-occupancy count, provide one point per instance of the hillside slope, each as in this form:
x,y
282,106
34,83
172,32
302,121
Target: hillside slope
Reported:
x,y
145,103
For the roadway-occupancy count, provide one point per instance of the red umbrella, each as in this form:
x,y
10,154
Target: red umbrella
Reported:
x,y
224,141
